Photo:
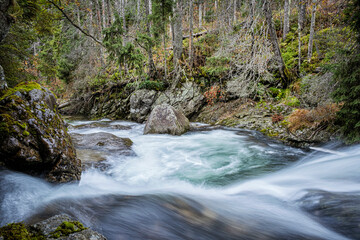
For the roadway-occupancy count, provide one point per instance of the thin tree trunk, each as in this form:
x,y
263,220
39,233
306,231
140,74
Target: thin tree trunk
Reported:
x,y
177,31
286,18
200,15
302,12
312,30
109,15
234,13
275,44
104,14
152,69
191,38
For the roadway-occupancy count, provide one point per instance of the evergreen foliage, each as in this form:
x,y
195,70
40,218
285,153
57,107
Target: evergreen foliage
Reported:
x,y
347,75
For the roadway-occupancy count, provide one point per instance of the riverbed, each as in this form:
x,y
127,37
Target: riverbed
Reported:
x,y
210,183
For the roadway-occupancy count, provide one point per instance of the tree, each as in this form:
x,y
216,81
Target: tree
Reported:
x,y
191,38
286,18
312,30
347,75
275,44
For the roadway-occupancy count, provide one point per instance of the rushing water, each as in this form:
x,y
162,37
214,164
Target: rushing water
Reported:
x,y
208,184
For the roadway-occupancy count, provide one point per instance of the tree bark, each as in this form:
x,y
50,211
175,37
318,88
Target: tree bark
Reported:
x,y
234,13
274,42
152,69
302,12
312,30
286,18
200,15
191,40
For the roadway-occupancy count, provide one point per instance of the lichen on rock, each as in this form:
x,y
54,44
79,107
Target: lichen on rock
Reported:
x,y
164,119
33,136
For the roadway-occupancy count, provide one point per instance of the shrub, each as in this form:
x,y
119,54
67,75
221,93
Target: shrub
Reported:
x,y
320,117
213,95
152,85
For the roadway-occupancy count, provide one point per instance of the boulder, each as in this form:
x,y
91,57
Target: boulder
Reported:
x,y
165,119
33,136
140,104
102,142
187,99
102,125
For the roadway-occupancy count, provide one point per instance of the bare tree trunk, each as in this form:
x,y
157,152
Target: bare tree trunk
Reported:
x,y
178,38
152,69
234,13
301,21
191,38
109,17
104,14
286,18
312,30
302,12
274,42
200,15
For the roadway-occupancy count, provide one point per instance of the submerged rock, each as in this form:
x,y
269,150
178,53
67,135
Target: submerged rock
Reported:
x,y
339,211
165,119
102,125
33,137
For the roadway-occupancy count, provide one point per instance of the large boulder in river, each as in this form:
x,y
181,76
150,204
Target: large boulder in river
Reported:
x,y
165,119
33,136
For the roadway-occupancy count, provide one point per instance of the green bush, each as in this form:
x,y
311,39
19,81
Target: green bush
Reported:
x,y
152,85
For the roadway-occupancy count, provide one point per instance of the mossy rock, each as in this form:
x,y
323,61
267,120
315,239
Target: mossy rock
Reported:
x,y
66,228
33,136
16,231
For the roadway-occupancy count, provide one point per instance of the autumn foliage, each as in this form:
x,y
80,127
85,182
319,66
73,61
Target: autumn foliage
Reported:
x,y
319,117
213,95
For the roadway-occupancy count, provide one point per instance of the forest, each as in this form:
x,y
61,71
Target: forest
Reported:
x,y
301,53
179,119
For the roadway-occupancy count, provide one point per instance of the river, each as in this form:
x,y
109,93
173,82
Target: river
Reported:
x,y
212,183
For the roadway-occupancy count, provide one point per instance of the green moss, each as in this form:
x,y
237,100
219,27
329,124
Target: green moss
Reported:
x,y
26,133
67,228
16,231
22,87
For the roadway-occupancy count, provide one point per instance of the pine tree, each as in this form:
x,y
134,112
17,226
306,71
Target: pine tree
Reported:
x,y
347,75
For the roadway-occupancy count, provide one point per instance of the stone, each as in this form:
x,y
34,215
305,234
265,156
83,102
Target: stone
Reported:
x,y
187,99
103,142
33,136
49,226
3,84
165,119
140,104
102,125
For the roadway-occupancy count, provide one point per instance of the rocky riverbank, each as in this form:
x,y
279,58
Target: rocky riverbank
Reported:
x,y
235,110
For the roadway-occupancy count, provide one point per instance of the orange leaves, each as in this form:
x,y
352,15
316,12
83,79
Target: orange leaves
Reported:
x,y
213,95
320,116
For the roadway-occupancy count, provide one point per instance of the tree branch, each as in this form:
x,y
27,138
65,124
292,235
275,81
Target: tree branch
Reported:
x,y
74,24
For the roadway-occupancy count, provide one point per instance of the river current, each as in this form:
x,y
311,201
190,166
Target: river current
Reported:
x,y
207,184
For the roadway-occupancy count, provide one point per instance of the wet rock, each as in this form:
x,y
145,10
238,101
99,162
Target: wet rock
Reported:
x,y
103,142
187,99
339,211
165,119
140,104
102,125
33,137
49,226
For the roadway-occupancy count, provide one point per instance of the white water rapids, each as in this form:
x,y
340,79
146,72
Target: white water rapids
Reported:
x,y
209,184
